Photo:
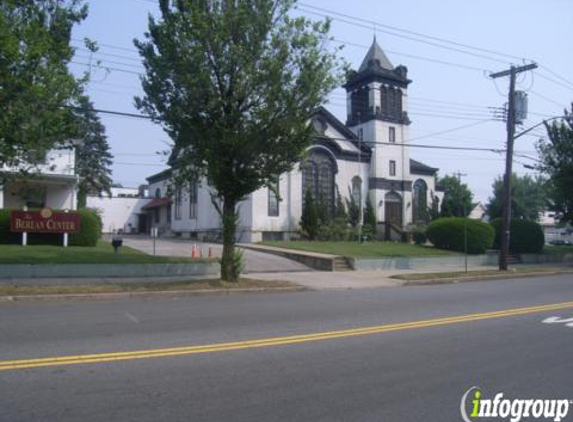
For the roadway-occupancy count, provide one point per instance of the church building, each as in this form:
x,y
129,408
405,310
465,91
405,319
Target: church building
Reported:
x,y
367,156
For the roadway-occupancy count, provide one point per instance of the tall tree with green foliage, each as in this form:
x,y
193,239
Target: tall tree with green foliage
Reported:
x,y
458,198
353,210
557,162
233,83
528,198
370,225
93,158
35,84
309,221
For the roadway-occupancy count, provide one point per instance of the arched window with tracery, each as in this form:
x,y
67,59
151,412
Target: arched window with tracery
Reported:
x,y
420,202
318,172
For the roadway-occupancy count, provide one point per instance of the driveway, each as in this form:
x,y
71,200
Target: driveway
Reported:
x,y
255,262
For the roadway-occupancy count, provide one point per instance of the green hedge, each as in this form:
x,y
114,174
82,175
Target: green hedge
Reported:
x,y
90,231
524,236
448,233
419,235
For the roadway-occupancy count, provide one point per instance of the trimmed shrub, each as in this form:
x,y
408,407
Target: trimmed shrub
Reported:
x,y
525,236
448,233
90,229
419,235
6,236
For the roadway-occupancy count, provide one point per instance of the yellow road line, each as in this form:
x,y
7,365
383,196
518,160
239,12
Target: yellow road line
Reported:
x,y
273,341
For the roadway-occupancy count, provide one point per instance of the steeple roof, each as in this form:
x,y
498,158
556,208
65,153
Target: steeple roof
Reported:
x,y
375,54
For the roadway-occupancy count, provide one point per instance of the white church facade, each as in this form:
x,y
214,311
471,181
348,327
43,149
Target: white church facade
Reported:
x,y
366,156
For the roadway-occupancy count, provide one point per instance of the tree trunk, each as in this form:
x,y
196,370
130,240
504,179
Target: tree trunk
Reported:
x,y
229,220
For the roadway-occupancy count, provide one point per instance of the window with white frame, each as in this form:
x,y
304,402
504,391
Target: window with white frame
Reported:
x,y
193,195
392,135
273,198
392,168
178,200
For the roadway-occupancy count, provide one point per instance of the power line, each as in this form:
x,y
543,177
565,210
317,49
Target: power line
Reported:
x,y
556,75
394,28
554,81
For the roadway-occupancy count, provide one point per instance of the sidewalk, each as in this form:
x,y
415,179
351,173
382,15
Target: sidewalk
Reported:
x,y
324,280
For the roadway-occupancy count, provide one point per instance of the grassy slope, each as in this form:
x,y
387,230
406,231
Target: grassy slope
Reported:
x,y
101,254
369,249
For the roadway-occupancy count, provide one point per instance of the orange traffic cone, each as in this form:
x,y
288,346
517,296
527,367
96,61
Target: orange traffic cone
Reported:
x,y
210,252
201,252
194,252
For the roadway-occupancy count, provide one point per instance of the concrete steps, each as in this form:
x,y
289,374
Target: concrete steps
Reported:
x,y
341,264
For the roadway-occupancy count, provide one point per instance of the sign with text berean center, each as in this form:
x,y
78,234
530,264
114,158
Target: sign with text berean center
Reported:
x,y
44,221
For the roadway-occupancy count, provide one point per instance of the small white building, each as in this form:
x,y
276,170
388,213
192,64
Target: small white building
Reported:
x,y
51,183
120,212
366,157
479,212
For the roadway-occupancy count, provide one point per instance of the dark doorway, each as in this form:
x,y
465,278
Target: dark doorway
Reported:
x,y
393,208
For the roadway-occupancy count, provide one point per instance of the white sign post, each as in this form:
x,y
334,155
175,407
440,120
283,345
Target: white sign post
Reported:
x,y
25,234
154,234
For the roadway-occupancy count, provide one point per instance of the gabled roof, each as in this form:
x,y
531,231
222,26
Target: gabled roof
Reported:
x,y
340,127
158,177
157,203
420,168
375,54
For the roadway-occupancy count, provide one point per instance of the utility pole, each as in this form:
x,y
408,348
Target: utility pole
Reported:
x,y
512,72
463,213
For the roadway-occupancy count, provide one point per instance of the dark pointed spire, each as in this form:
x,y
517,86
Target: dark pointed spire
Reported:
x,y
375,54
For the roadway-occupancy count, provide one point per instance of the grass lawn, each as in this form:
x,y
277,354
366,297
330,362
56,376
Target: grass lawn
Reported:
x,y
557,250
363,250
243,283
103,253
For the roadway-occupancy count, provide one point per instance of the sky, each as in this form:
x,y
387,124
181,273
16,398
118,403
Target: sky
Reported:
x,y
450,98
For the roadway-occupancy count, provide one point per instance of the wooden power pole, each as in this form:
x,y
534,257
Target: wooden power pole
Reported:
x,y
512,72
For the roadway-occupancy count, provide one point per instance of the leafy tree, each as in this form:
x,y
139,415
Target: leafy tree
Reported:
x,y
528,198
309,221
35,83
369,219
353,210
340,210
93,159
457,200
557,162
233,83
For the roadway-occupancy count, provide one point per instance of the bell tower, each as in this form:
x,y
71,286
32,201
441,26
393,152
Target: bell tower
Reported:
x,y
376,98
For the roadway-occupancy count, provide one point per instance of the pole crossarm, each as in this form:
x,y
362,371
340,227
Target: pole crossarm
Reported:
x,y
519,69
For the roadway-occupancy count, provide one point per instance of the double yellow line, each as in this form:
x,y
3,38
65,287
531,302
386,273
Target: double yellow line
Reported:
x,y
273,341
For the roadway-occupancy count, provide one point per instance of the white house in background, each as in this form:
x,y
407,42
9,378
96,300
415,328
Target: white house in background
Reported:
x,y
479,212
52,183
121,212
367,156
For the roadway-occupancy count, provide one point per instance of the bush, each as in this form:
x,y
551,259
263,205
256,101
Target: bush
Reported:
x,y
448,233
90,229
90,232
6,236
524,236
419,235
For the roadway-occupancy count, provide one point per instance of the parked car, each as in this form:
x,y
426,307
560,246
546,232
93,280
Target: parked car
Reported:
x,y
560,242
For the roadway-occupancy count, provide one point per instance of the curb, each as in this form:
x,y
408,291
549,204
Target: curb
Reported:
x,y
456,280
160,293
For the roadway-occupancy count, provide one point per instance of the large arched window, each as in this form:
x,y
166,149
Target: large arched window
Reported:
x,y
318,177
420,202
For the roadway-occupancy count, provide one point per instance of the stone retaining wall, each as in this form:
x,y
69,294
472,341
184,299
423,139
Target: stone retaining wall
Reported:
x,y
106,270
421,263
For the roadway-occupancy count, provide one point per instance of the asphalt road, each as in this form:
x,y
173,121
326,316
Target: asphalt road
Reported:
x,y
416,372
